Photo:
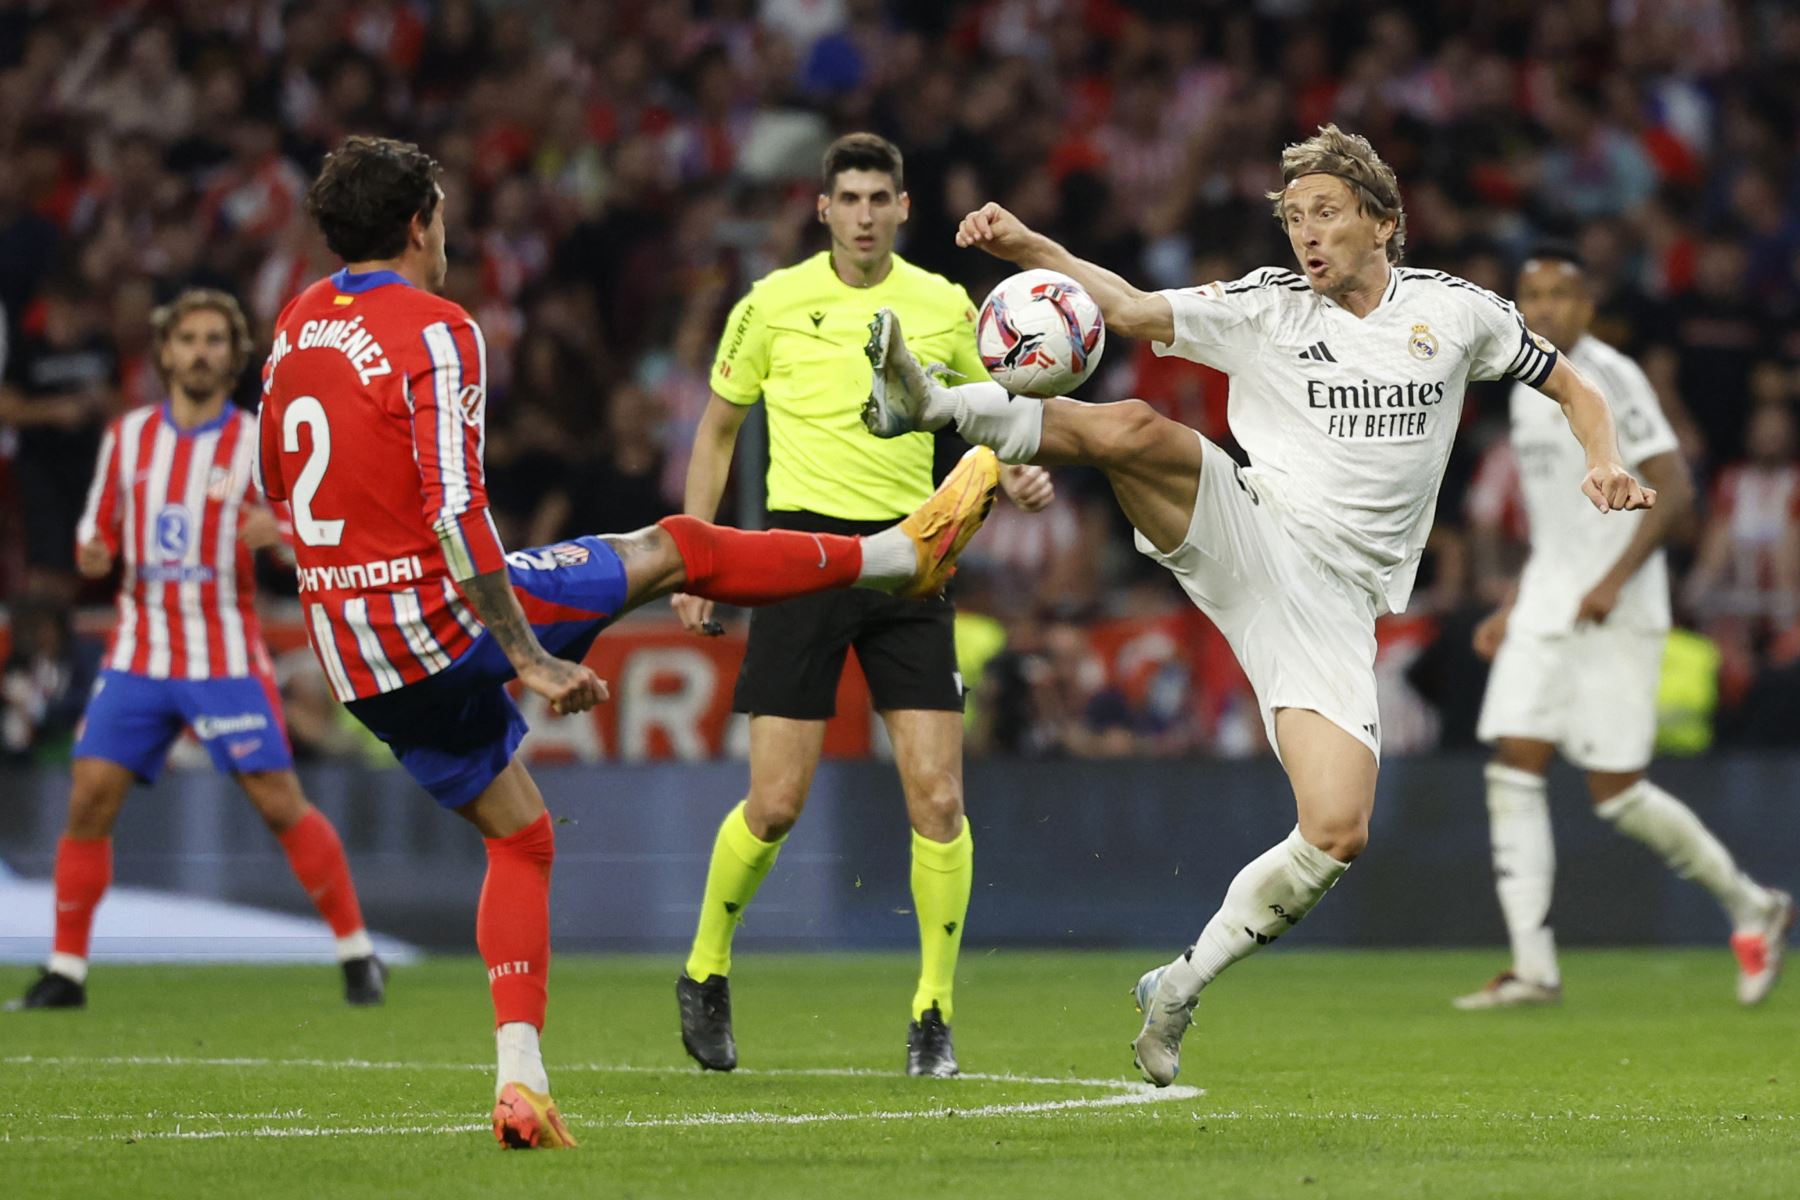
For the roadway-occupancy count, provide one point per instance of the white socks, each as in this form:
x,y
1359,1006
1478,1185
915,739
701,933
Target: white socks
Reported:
x,y
520,1059
889,559
986,415
1669,827
356,945
1524,869
1268,897
69,966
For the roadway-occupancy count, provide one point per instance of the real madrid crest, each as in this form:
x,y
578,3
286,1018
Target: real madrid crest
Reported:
x,y
1422,345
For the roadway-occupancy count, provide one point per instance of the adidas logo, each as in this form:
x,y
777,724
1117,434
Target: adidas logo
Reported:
x,y
1318,353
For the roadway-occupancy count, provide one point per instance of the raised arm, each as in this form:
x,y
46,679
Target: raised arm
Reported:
x,y
1127,310
1608,484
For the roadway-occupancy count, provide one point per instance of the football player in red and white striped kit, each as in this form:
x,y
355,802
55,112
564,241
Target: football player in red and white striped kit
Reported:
x,y
175,500
372,424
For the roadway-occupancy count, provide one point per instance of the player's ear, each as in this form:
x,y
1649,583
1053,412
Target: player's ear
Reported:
x,y
905,207
824,207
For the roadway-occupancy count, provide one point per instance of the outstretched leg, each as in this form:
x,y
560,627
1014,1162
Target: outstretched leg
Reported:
x,y
914,557
1152,463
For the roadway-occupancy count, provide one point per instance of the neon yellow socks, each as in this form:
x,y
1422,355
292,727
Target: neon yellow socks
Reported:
x,y
942,874
740,862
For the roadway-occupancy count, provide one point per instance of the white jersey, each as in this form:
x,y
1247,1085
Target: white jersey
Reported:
x,y
1349,421
1572,544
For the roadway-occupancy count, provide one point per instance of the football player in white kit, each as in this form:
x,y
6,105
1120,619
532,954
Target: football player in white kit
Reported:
x,y
1577,653
1346,388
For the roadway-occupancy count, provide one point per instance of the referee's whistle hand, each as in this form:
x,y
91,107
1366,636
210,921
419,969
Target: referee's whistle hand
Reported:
x,y
695,614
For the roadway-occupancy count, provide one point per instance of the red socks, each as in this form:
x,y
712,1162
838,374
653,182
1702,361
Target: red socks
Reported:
x,y
83,871
734,566
512,924
317,857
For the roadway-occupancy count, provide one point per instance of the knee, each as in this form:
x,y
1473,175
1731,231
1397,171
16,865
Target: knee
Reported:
x,y
276,797
1343,839
1604,786
936,807
654,559
773,808
1519,754
92,810
1129,433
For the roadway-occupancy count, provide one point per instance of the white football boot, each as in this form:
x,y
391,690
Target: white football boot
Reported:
x,y
1760,951
1157,1050
900,388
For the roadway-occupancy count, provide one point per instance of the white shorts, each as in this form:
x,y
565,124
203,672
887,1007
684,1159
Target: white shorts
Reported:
x,y
1304,635
1590,692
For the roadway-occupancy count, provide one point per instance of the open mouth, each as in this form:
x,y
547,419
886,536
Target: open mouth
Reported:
x,y
1315,266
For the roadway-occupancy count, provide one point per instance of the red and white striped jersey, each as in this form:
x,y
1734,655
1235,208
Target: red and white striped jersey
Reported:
x,y
168,502
372,428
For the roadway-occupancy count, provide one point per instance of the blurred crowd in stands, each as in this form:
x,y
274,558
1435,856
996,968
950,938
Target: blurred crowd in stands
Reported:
x,y
618,171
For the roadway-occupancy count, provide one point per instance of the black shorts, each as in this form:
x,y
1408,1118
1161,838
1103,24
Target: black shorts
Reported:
x,y
906,648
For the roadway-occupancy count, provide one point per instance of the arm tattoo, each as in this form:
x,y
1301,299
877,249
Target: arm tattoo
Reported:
x,y
492,597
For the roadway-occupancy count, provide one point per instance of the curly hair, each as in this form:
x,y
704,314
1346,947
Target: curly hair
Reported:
x,y
165,317
367,193
1350,157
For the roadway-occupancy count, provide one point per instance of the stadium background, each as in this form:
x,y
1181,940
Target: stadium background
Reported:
x,y
617,173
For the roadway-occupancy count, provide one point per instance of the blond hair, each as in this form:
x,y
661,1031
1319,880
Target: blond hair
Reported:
x,y
1350,157
166,317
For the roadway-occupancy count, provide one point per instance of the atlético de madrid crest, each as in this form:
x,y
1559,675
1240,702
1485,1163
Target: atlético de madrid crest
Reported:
x,y
1422,345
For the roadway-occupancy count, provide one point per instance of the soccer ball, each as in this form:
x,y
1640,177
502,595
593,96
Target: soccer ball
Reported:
x,y
1040,334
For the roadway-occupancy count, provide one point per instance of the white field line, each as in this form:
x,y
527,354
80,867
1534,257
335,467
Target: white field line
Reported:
x,y
1122,1093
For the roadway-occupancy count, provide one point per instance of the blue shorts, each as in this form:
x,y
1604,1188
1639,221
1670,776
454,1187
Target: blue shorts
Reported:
x,y
133,720
455,731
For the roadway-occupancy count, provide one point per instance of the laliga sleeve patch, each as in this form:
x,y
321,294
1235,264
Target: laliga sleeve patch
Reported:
x,y
471,402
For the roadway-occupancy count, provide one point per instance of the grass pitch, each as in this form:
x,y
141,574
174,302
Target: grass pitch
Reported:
x,y
1323,1075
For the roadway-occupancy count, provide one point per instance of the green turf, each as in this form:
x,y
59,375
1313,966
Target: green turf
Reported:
x,y
1325,1075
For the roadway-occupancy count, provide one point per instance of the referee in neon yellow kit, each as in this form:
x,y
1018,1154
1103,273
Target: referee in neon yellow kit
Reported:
x,y
795,341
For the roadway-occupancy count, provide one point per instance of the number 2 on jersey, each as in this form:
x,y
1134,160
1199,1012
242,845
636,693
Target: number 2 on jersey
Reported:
x,y
307,411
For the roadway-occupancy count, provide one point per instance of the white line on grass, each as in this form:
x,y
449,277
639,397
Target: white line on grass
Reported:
x,y
1147,1095
1124,1093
